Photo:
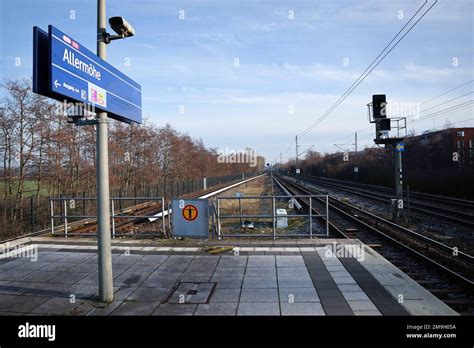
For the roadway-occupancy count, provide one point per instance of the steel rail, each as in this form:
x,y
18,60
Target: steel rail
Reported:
x,y
418,237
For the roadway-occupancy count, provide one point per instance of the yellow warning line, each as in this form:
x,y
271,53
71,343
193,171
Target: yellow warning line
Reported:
x,y
218,249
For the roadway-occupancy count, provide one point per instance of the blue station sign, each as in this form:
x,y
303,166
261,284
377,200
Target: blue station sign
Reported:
x,y
400,147
76,74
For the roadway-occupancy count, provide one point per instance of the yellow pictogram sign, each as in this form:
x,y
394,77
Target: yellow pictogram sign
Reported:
x,y
190,212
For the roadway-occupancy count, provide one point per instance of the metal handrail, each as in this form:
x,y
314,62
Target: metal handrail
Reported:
x,y
113,214
273,215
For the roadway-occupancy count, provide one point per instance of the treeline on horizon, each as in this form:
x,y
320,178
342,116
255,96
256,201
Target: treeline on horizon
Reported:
x,y
427,167
42,155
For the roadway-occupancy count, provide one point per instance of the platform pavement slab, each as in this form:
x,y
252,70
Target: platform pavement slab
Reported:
x,y
260,261
259,295
217,308
268,272
228,261
260,282
135,308
307,283
57,306
293,272
267,308
298,295
228,283
416,299
20,304
226,295
302,308
144,294
229,272
175,309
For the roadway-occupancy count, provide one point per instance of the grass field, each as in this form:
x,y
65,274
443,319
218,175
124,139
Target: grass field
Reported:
x,y
30,187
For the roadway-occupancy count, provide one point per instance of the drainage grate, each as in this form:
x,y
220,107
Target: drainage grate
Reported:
x,y
196,293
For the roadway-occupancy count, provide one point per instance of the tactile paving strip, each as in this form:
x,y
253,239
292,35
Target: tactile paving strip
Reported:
x,y
331,297
384,301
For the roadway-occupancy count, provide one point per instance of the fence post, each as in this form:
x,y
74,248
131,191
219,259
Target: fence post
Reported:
x,y
240,211
112,216
327,215
169,218
218,220
65,216
211,209
273,217
204,183
32,217
310,217
51,205
163,215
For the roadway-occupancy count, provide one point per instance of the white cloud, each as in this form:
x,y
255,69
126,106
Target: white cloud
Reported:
x,y
321,72
415,71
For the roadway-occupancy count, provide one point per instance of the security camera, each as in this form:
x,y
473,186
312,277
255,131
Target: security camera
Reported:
x,y
121,27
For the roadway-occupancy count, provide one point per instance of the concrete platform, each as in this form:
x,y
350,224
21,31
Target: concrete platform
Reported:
x,y
310,277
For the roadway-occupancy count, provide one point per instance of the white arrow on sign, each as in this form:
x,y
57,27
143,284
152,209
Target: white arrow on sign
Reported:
x,y
56,83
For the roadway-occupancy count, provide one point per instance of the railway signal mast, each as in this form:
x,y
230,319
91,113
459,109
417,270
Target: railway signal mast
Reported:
x,y
377,113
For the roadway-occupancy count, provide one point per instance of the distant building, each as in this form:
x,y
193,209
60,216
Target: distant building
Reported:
x,y
260,163
453,141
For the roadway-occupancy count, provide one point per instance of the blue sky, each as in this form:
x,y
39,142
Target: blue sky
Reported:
x,y
284,64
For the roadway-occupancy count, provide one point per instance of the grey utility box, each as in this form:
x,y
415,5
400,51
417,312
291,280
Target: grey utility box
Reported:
x,y
190,218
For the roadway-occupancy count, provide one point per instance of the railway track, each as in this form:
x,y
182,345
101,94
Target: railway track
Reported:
x,y
444,200
338,227
442,209
429,262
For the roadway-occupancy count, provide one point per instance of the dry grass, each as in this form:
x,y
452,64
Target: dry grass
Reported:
x,y
257,206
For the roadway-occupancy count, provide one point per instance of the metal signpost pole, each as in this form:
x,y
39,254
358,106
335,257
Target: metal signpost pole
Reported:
x,y
399,175
400,182
60,73
355,143
398,179
240,210
106,292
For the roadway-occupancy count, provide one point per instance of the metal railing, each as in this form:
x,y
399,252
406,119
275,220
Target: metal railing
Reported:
x,y
273,215
68,204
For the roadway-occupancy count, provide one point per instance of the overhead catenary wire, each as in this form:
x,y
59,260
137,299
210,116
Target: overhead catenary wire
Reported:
x,y
303,152
370,68
434,115
454,108
343,96
422,103
449,109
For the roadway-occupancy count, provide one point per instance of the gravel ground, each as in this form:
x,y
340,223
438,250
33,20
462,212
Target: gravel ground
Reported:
x,y
445,232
